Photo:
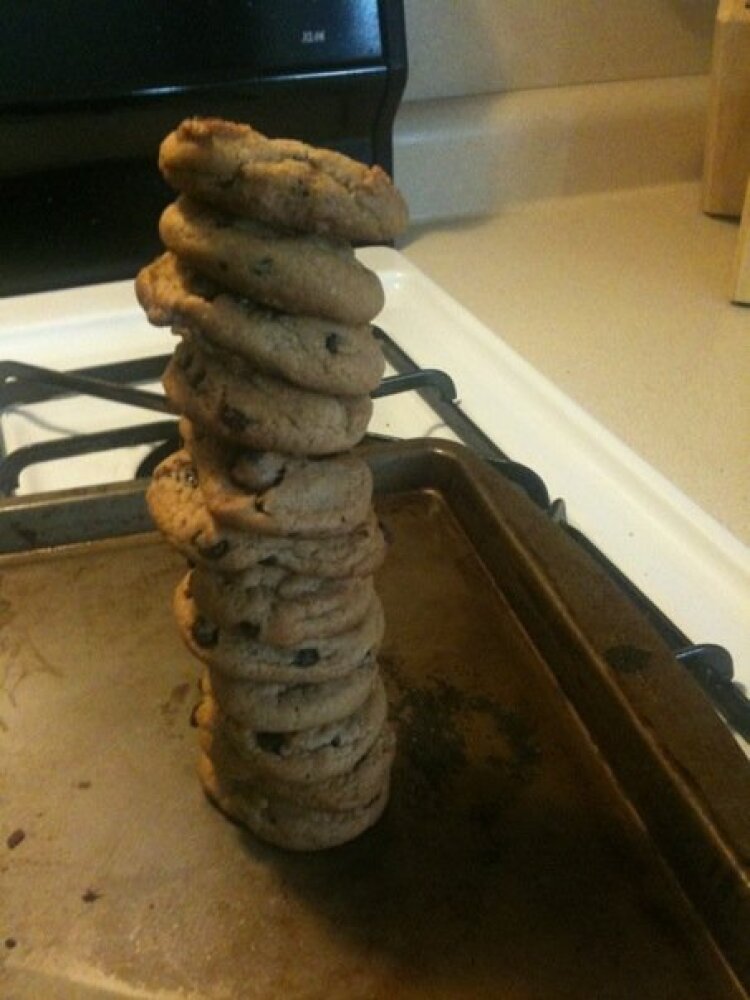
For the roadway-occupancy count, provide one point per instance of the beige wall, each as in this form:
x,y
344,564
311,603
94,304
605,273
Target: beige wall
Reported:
x,y
461,47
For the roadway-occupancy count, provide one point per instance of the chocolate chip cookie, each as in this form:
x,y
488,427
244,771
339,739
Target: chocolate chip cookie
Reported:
x,y
237,652
177,507
284,609
283,708
272,378
305,275
350,790
300,497
313,353
234,401
288,824
309,755
282,181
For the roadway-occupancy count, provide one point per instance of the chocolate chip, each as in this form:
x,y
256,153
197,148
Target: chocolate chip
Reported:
x,y
10,942
332,343
270,742
90,896
215,551
263,267
306,657
205,633
233,418
189,476
15,838
249,630
195,377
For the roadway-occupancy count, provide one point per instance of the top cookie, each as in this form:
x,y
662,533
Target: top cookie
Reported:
x,y
282,182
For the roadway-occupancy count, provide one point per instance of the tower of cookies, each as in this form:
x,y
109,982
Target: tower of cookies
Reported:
x,y
272,376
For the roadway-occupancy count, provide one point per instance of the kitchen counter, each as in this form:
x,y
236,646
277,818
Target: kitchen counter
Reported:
x,y
620,298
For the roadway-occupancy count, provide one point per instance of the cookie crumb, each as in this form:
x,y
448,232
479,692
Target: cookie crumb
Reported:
x,y
17,837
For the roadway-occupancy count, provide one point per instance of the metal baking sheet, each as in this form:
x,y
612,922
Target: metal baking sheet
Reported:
x,y
553,830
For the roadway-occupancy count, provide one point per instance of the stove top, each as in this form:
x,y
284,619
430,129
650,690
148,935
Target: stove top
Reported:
x,y
682,562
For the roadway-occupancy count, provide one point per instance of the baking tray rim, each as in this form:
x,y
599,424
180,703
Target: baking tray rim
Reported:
x,y
645,747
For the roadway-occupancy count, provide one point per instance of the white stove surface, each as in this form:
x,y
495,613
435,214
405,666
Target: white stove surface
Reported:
x,y
683,560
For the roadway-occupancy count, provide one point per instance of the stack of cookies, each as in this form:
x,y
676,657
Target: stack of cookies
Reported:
x,y
272,377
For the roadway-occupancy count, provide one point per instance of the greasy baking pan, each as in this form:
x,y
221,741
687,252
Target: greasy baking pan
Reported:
x,y
568,817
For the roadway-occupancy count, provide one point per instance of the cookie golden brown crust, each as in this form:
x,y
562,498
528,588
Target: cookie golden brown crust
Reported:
x,y
282,182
